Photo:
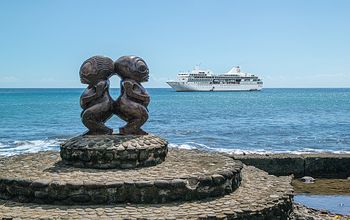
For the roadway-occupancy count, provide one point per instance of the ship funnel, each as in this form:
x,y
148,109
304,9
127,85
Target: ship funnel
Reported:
x,y
233,71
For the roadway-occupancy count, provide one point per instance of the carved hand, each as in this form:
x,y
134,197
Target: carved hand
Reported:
x,y
128,86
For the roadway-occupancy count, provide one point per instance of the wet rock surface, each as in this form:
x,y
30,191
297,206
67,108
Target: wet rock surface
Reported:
x,y
114,151
185,175
260,196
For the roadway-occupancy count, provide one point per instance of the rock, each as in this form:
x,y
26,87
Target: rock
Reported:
x,y
218,179
307,179
162,184
80,198
40,194
40,184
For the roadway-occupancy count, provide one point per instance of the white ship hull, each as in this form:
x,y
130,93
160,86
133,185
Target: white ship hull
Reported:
x,y
195,87
204,80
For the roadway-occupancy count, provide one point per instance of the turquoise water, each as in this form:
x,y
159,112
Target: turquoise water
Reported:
x,y
273,120
335,204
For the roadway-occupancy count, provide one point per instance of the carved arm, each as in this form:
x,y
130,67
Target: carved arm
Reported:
x,y
128,86
99,89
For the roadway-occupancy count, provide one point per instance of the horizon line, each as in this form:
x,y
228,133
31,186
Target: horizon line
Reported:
x,y
171,88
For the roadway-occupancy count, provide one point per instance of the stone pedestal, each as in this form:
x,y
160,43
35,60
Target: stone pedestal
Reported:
x,y
188,184
114,151
260,196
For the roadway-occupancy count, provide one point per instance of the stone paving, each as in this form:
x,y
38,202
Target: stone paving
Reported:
x,y
185,175
260,196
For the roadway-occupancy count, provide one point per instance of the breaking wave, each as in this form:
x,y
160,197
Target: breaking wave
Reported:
x,y
28,146
32,146
193,145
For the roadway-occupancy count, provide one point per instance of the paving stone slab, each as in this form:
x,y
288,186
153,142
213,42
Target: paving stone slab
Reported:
x,y
114,151
185,175
260,196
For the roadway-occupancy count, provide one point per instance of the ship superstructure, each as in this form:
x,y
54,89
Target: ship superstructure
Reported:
x,y
205,80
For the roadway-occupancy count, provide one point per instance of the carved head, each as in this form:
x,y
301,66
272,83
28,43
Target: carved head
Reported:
x,y
132,67
95,69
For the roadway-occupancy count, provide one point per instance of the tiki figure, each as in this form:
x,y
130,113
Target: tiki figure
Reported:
x,y
95,101
131,105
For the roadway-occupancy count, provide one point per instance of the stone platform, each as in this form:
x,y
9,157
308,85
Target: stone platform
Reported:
x,y
185,175
260,196
319,165
114,151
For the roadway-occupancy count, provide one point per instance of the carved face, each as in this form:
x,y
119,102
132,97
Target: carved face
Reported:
x,y
95,69
132,67
87,73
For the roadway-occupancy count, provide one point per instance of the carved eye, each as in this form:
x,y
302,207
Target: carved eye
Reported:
x,y
87,68
141,66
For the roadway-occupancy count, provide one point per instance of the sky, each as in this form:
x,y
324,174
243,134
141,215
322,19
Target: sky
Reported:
x,y
287,43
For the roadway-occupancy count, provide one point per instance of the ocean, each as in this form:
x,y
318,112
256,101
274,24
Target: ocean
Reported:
x,y
272,120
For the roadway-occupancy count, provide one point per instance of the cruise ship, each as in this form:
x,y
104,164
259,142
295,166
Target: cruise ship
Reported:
x,y
205,80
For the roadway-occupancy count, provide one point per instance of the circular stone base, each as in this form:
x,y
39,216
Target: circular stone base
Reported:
x,y
260,196
185,175
114,151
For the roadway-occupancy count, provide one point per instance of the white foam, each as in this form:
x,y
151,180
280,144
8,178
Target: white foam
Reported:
x,y
32,146
190,146
193,145
311,150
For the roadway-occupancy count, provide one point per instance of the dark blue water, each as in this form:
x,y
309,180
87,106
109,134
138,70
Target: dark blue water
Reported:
x,y
273,120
